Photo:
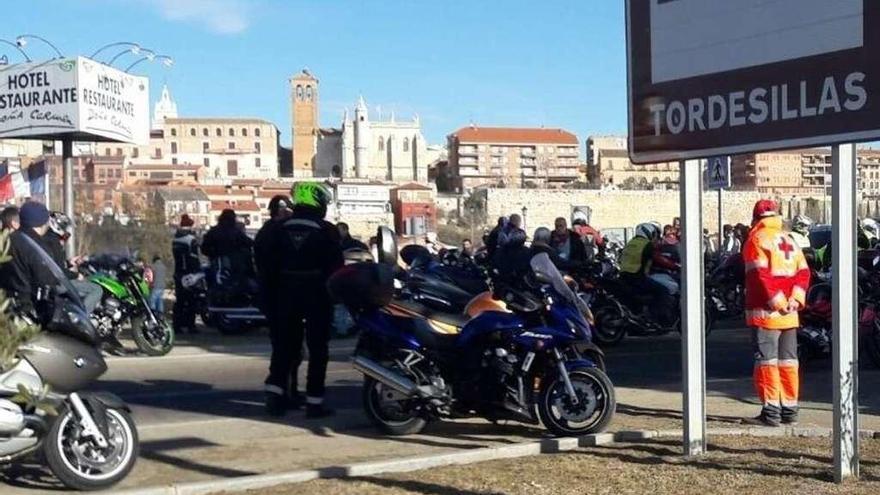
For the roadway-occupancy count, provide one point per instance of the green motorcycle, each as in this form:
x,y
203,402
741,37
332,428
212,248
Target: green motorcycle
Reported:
x,y
124,305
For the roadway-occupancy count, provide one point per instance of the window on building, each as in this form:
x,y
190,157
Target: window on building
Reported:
x,y
308,93
205,131
231,132
173,132
381,143
192,131
118,151
174,161
406,144
257,162
231,145
219,132
107,151
232,167
205,146
102,173
258,147
206,162
173,148
158,153
257,132
299,92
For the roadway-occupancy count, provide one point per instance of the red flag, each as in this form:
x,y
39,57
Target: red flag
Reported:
x,y
7,190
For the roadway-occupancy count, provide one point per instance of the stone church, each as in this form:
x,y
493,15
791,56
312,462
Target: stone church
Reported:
x,y
388,150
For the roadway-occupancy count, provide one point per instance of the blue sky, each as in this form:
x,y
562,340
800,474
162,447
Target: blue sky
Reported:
x,y
493,62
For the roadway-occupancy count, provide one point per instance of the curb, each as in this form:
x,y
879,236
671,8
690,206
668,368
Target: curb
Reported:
x,y
546,446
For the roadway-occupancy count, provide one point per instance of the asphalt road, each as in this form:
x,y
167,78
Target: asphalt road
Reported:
x,y
199,410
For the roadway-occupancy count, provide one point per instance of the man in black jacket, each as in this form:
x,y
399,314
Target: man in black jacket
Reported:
x,y
305,252
27,272
185,248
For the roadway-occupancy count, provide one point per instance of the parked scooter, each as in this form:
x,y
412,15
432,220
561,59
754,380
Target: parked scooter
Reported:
x,y
524,365
232,311
92,443
124,306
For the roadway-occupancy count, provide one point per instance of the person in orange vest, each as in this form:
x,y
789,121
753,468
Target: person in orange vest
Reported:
x,y
777,278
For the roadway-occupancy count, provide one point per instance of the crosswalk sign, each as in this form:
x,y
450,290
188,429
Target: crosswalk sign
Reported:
x,y
717,172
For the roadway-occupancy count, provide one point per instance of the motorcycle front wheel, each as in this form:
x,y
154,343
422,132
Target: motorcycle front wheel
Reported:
x,y
81,464
594,408
152,339
389,410
611,325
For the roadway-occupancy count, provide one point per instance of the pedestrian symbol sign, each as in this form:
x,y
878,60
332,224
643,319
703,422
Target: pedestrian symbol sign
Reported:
x,y
718,172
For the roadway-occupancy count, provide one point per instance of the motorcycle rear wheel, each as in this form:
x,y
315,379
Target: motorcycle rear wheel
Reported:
x,y
152,341
378,404
593,412
76,461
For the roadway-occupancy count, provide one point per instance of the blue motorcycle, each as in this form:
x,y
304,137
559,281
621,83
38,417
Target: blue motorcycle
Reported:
x,y
531,365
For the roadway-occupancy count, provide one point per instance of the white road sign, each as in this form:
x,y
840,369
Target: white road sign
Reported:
x,y
76,98
721,77
687,36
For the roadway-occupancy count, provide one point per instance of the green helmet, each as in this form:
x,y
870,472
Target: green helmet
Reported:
x,y
312,194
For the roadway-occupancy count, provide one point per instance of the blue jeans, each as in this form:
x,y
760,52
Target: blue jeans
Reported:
x,y
157,303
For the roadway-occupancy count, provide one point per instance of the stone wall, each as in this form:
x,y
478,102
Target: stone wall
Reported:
x,y
616,209
364,226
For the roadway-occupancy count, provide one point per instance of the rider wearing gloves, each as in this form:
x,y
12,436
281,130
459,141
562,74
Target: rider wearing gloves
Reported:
x,y
636,262
60,229
305,252
777,278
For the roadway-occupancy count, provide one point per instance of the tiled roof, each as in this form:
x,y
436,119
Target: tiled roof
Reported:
x,y
472,134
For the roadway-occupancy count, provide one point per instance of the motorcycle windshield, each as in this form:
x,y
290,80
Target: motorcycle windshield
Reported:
x,y
59,275
546,270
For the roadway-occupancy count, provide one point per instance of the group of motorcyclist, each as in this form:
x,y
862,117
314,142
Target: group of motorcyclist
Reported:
x,y
286,266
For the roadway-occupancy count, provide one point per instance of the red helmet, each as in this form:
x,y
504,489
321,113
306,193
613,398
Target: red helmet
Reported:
x,y
764,208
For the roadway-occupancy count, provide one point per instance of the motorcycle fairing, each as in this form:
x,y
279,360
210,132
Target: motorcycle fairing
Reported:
x,y
110,284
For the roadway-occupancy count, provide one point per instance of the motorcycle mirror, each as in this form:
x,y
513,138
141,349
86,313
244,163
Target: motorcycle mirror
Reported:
x,y
386,243
876,260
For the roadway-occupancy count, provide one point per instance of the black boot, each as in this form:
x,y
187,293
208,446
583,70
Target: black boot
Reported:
x,y
276,405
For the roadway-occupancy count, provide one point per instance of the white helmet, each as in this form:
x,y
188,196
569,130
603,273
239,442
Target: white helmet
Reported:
x,y
61,224
871,228
801,224
648,230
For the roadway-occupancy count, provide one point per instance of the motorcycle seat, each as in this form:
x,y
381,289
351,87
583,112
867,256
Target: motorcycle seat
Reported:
x,y
429,337
414,308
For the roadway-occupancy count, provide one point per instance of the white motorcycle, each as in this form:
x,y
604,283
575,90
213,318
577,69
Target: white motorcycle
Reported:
x,y
91,443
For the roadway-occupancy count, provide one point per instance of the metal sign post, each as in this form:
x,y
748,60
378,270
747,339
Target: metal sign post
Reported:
x,y
845,367
67,178
693,342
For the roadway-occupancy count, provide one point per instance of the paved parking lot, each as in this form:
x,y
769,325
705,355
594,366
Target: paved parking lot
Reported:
x,y
200,416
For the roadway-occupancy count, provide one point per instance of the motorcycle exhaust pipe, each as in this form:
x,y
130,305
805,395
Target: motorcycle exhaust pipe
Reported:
x,y
384,375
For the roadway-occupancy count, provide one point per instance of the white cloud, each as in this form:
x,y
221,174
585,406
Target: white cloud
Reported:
x,y
219,16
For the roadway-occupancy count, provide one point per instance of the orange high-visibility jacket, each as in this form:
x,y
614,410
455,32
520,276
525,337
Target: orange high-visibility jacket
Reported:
x,y
776,271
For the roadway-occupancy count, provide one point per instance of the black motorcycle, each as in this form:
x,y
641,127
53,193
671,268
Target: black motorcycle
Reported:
x,y
448,282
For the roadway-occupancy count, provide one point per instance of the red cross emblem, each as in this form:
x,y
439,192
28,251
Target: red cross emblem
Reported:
x,y
786,247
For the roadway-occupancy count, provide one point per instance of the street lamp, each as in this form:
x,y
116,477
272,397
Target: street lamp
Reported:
x,y
166,60
21,41
133,47
135,50
17,47
525,211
